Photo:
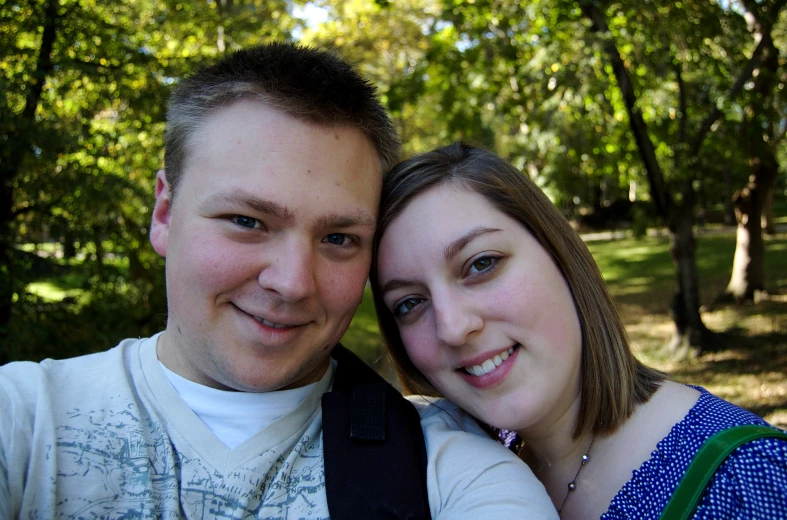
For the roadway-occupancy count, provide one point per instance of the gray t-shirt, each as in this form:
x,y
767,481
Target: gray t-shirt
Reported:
x,y
107,436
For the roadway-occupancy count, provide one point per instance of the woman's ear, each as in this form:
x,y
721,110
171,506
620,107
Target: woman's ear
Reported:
x,y
159,222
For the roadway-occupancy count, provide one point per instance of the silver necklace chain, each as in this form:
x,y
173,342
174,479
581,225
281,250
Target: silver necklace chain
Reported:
x,y
573,484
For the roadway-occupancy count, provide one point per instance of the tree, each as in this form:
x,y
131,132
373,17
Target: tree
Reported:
x,y
761,133
584,88
678,214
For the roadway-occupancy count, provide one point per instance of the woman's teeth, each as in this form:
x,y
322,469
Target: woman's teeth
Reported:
x,y
490,364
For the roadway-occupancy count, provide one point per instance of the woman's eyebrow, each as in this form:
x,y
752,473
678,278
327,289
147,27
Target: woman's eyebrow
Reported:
x,y
394,283
452,249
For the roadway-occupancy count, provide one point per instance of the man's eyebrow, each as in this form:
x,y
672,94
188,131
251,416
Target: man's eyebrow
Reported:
x,y
339,220
452,249
258,204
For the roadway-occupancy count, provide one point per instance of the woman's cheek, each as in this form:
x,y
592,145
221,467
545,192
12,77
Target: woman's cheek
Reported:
x,y
421,350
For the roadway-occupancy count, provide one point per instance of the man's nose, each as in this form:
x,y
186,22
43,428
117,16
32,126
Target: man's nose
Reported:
x,y
292,271
457,319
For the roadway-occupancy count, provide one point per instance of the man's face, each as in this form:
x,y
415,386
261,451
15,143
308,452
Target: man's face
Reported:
x,y
268,247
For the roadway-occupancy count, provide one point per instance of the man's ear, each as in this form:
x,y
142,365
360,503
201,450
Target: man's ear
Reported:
x,y
159,222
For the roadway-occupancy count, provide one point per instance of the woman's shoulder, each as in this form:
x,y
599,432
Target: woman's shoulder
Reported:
x,y
718,413
752,481
736,482
708,416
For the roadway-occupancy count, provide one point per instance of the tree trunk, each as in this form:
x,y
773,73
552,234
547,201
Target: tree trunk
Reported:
x,y
684,308
729,207
766,221
12,154
690,331
748,272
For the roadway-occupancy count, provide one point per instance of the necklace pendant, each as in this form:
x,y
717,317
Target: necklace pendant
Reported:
x,y
573,484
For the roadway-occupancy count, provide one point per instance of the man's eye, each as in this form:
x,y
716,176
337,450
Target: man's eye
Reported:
x,y
337,239
406,306
246,222
482,264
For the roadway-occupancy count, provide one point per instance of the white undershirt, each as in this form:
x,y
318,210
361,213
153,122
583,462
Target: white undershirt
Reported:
x,y
234,417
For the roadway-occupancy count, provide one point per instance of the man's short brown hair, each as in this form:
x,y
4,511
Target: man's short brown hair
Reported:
x,y
308,84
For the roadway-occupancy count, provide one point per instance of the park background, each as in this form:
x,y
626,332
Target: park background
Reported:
x,y
657,127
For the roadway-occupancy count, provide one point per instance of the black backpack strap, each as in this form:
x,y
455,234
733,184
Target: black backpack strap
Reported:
x,y
373,446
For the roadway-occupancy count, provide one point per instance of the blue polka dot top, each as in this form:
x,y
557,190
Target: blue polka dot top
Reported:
x,y
751,484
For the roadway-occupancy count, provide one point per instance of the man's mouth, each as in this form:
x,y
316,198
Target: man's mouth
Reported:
x,y
490,364
271,324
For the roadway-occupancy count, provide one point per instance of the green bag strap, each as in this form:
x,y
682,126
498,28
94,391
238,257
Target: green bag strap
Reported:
x,y
704,465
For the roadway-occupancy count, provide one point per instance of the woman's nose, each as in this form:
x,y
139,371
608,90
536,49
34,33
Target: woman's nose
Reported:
x,y
457,320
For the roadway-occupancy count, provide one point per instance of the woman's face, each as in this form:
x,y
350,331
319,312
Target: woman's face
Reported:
x,y
483,311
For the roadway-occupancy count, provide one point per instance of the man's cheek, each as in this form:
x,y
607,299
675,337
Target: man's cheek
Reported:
x,y
339,330
214,265
345,287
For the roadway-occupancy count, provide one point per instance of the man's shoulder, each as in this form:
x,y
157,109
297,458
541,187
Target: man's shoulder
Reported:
x,y
437,412
470,475
27,377
449,430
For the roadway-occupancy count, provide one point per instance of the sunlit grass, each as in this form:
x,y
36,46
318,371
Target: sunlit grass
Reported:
x,y
50,291
57,288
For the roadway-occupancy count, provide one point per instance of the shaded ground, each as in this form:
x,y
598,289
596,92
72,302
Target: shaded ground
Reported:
x,y
747,362
746,365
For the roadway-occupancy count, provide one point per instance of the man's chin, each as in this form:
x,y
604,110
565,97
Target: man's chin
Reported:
x,y
313,375
246,379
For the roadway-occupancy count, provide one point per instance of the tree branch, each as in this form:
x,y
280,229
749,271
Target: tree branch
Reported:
x,y
733,92
778,138
659,189
747,72
682,103
21,211
44,66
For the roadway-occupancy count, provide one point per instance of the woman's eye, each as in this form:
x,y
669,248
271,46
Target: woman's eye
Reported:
x,y
246,222
337,239
482,264
405,306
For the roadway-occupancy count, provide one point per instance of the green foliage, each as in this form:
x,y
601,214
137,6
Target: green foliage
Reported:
x,y
94,315
528,78
89,148
363,336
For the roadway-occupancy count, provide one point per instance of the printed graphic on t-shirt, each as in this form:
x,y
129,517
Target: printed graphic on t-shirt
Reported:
x,y
115,464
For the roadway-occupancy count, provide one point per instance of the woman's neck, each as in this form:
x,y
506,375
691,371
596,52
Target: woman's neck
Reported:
x,y
553,454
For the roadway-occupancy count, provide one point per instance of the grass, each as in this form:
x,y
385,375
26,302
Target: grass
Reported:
x,y
56,288
747,363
